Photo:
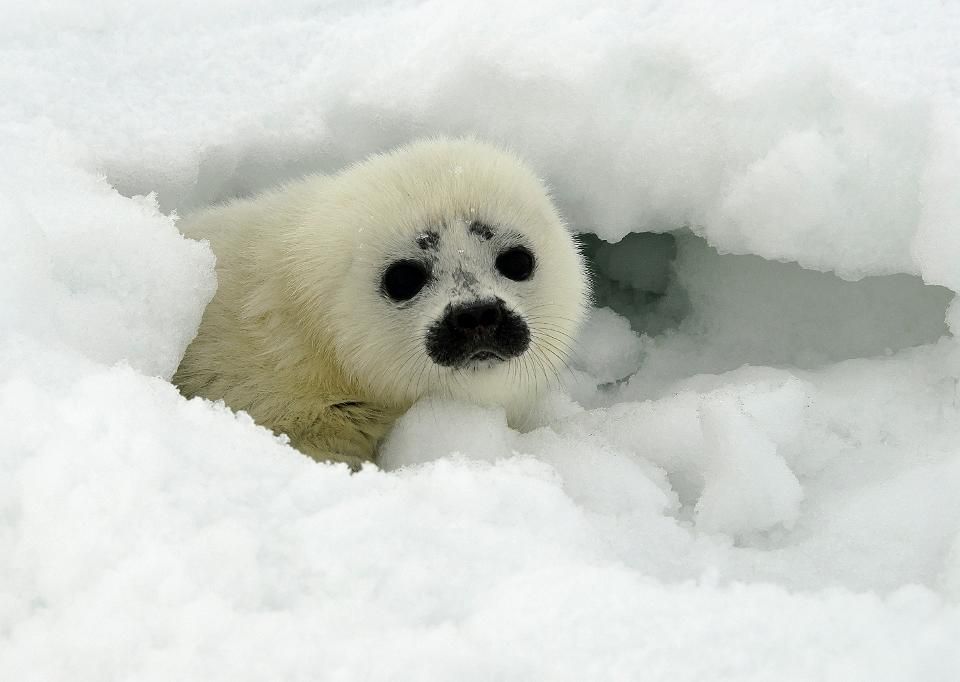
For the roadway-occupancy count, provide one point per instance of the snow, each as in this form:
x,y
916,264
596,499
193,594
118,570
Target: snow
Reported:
x,y
750,473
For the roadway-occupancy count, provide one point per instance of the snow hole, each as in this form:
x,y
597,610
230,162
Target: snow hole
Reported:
x,y
670,306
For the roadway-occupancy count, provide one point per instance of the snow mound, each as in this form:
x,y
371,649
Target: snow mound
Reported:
x,y
749,473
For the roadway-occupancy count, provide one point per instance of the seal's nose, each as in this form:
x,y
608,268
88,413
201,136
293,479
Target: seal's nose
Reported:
x,y
477,318
478,330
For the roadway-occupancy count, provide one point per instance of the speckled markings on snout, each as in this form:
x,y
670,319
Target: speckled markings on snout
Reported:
x,y
465,281
481,230
428,241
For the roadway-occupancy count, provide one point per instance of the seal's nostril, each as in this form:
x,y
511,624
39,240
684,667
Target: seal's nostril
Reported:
x,y
476,317
466,320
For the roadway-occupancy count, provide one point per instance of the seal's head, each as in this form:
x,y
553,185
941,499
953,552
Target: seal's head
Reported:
x,y
463,281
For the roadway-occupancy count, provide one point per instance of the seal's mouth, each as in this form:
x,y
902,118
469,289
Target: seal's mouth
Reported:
x,y
485,356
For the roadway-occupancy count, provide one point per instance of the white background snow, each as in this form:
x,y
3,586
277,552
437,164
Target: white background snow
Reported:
x,y
760,479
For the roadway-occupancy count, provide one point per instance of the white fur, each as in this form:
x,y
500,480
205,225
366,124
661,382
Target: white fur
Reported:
x,y
299,325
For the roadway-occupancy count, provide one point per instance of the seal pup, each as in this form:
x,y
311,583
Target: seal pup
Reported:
x,y
439,269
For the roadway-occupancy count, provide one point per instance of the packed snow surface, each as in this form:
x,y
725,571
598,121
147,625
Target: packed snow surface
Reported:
x,y
752,468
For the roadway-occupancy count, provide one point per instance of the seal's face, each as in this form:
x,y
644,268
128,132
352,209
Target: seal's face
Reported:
x,y
463,282
476,328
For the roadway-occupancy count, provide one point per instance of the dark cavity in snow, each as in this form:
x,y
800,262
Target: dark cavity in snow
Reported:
x,y
722,310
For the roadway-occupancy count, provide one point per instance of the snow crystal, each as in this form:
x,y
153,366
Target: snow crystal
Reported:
x,y
750,471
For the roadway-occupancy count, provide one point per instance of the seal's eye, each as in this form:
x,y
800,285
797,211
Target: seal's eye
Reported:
x,y
515,263
404,279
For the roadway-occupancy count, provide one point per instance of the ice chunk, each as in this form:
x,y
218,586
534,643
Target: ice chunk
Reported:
x,y
608,349
748,485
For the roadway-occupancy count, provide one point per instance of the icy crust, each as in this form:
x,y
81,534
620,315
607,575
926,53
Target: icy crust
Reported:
x,y
807,479
762,487
819,132
148,537
84,268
